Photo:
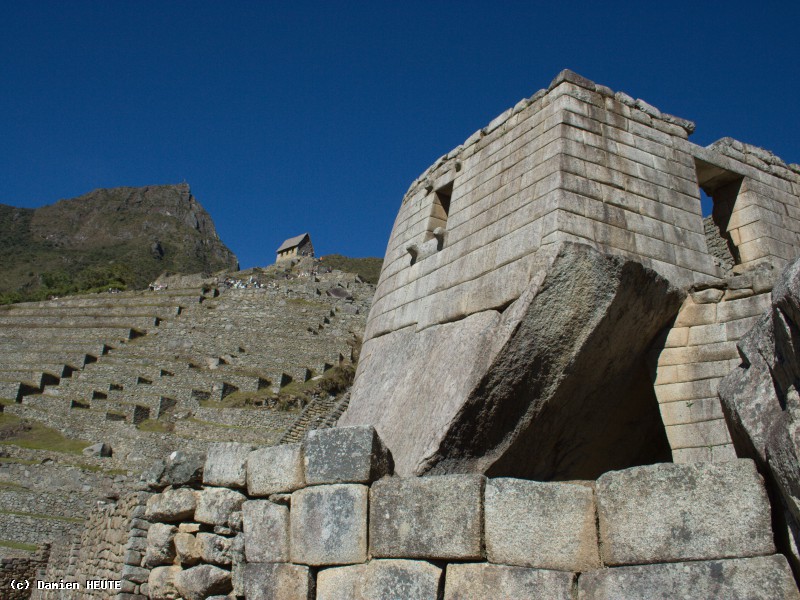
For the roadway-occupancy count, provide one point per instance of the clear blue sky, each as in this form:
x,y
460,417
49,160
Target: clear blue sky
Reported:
x,y
316,116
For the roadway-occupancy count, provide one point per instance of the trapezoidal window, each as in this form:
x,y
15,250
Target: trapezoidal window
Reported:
x,y
439,213
722,187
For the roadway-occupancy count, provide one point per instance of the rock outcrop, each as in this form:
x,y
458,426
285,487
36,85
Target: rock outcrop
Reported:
x,y
132,233
525,391
760,397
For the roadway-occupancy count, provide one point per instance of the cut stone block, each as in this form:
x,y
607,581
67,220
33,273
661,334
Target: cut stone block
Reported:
x,y
760,578
275,470
215,506
171,506
345,455
186,549
341,582
401,579
329,525
479,581
214,549
277,581
541,525
202,581
428,517
178,469
669,512
266,531
226,464
160,546
161,583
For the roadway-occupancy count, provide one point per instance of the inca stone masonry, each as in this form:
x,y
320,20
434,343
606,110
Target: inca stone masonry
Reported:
x,y
572,387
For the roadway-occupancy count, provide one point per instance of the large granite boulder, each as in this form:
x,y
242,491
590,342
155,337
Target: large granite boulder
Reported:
x,y
760,397
553,385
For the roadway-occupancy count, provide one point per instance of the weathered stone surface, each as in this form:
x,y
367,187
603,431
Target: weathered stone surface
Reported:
x,y
135,574
186,549
754,394
214,549
160,546
226,464
406,579
171,505
783,454
215,506
277,581
329,524
760,397
528,390
670,512
479,581
266,531
275,469
202,581
345,455
98,450
541,525
430,517
161,583
180,468
760,578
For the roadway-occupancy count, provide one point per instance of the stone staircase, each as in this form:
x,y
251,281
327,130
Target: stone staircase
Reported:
x,y
321,413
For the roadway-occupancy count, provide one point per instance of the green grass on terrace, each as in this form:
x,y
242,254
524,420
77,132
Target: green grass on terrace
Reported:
x,y
18,546
35,436
41,516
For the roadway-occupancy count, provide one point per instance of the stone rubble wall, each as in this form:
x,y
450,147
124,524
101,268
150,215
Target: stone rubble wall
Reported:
x,y
17,567
108,538
325,519
697,352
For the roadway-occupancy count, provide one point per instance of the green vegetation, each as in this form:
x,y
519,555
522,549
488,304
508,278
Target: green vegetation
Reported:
x,y
369,269
333,381
156,426
17,461
292,396
35,436
41,516
8,485
89,280
120,238
18,546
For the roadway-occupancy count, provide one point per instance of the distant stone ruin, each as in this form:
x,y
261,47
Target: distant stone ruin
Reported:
x,y
295,247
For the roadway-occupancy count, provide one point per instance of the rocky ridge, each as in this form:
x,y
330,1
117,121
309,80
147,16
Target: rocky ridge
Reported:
x,y
120,235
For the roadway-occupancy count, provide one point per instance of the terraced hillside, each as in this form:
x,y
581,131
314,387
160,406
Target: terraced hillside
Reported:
x,y
238,357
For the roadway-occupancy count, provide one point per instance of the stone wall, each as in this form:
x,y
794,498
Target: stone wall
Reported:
x,y
108,541
325,519
575,162
699,350
16,568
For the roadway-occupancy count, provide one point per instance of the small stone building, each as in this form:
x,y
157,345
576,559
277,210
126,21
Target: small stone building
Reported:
x,y
299,245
